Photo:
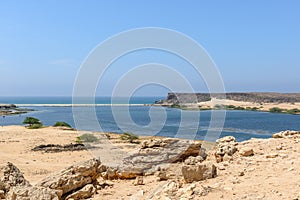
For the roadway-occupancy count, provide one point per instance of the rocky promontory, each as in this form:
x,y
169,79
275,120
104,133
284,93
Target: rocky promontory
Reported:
x,y
12,109
254,101
255,97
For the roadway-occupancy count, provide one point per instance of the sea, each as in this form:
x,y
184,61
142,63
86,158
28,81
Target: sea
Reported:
x,y
152,120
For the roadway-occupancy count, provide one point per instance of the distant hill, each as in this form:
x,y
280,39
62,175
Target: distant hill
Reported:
x,y
255,97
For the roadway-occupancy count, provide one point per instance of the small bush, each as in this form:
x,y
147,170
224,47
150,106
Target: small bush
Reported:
x,y
129,137
65,124
33,123
87,137
275,110
230,107
293,111
35,126
31,120
239,108
219,107
175,106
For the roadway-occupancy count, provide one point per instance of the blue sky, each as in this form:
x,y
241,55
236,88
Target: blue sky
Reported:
x,y
255,44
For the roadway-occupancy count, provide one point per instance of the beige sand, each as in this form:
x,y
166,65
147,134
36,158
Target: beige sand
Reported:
x,y
262,106
277,177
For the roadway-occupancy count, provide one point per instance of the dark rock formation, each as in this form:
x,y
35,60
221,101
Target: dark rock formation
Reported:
x,y
51,148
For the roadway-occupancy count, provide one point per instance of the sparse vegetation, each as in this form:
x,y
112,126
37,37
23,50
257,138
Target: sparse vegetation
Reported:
x,y
230,107
130,137
293,111
35,126
87,137
33,123
276,110
64,124
219,107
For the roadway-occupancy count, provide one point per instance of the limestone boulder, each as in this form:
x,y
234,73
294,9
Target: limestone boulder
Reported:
x,y
246,152
155,153
84,193
199,172
74,177
33,193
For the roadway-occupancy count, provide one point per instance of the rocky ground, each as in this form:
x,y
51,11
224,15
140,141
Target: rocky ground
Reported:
x,y
11,109
157,168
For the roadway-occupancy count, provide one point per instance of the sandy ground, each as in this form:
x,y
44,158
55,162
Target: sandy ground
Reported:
x,y
16,143
262,106
272,173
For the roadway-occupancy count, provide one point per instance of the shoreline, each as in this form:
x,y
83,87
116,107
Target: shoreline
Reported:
x,y
226,104
78,105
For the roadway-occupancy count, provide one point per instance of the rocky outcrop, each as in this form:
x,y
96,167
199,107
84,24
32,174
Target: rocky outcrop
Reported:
x,y
226,147
75,182
286,134
52,148
246,151
153,153
7,106
33,193
198,172
74,177
12,177
84,193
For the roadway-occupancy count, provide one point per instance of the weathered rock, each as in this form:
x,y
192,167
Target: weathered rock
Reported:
x,y
74,177
161,175
84,193
2,194
226,146
272,155
155,153
168,191
138,181
228,158
33,193
186,192
194,160
198,172
109,173
12,177
50,148
152,143
227,139
246,152
286,134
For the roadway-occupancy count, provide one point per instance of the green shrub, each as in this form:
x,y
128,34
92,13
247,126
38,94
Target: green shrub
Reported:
x,y
230,107
31,120
254,108
293,111
275,110
65,124
35,126
175,106
219,107
87,137
33,123
129,137
239,108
